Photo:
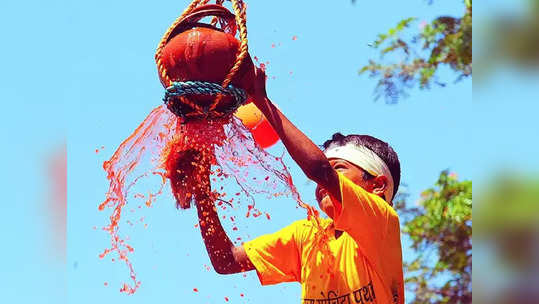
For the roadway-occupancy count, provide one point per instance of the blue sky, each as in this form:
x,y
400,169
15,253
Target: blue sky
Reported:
x,y
85,71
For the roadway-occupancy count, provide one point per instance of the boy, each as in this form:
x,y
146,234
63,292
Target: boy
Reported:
x,y
361,261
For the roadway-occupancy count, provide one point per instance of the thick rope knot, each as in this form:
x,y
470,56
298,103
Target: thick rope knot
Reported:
x,y
197,88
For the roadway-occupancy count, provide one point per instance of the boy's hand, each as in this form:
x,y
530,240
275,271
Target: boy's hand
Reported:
x,y
259,87
305,153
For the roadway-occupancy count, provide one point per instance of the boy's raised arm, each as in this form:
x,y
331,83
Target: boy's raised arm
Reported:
x,y
224,256
227,258
305,153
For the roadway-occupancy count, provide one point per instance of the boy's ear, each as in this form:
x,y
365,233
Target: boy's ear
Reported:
x,y
379,185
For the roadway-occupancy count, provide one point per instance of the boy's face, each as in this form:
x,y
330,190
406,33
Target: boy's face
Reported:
x,y
352,172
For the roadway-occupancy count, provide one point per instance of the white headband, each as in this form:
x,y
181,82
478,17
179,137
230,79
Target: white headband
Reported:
x,y
367,160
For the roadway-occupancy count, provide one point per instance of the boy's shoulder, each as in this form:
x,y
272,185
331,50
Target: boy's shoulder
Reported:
x,y
308,225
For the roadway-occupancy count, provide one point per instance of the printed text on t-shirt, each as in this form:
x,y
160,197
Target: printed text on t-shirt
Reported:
x,y
363,295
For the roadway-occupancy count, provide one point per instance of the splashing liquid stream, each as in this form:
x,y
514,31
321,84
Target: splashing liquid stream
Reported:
x,y
192,156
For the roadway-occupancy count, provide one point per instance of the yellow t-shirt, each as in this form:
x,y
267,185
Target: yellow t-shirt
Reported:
x,y
364,265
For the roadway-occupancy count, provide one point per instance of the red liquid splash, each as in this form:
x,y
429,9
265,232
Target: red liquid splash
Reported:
x,y
194,157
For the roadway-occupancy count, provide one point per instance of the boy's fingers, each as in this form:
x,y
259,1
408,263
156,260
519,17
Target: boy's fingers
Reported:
x,y
259,78
262,77
257,73
260,72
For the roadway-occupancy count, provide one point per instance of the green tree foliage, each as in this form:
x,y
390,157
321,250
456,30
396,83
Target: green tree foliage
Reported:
x,y
416,58
509,39
507,226
440,228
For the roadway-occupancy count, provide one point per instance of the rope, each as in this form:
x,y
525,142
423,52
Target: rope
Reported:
x,y
194,88
215,19
241,21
